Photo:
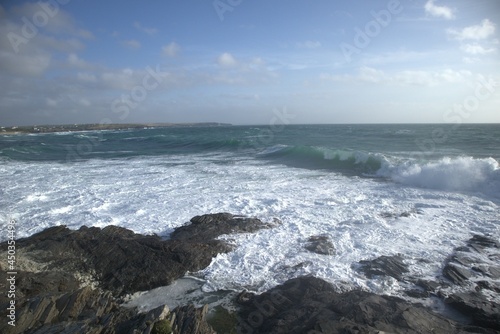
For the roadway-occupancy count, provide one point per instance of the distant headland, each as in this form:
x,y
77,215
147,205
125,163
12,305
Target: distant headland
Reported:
x,y
98,126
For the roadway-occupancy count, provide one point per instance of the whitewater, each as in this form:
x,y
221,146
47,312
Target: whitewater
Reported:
x,y
371,189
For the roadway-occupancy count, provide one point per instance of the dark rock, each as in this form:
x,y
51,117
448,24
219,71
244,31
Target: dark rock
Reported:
x,y
429,286
95,311
211,226
311,305
488,285
484,313
384,266
417,293
244,297
404,214
320,244
188,319
124,262
458,275
70,279
462,258
470,267
479,242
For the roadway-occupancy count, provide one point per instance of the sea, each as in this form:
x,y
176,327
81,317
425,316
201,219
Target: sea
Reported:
x,y
418,190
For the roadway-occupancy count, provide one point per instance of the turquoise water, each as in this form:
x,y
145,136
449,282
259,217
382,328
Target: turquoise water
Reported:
x,y
297,142
349,182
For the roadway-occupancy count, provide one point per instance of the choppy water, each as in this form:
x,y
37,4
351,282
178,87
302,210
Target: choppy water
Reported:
x,y
350,182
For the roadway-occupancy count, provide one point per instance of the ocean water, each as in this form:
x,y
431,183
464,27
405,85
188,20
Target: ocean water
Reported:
x,y
415,190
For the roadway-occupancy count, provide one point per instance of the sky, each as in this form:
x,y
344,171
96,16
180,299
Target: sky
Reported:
x,y
249,62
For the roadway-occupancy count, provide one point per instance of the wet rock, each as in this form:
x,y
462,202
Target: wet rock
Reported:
x,y
475,269
484,313
124,262
311,305
429,286
74,278
480,242
384,266
211,226
320,244
458,275
188,319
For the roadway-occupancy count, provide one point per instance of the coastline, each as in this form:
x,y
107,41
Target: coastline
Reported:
x,y
13,130
76,280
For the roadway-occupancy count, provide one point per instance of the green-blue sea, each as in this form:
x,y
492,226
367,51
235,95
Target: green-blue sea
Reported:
x,y
418,190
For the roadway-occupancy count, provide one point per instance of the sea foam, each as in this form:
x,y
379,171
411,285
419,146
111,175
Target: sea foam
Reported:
x,y
449,174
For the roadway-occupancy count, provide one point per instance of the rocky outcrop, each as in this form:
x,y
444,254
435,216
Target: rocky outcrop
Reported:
x,y
90,310
123,262
72,282
384,266
476,269
320,244
69,281
311,305
207,227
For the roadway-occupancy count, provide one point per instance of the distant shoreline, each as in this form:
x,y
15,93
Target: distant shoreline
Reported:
x,y
96,126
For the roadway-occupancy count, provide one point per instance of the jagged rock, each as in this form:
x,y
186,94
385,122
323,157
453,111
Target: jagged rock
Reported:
x,y
124,262
484,313
429,286
211,226
479,242
473,267
458,275
384,266
320,244
311,305
70,279
188,319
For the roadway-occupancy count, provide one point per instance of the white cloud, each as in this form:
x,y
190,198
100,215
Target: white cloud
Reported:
x,y
309,45
85,102
51,102
439,11
75,61
477,32
50,20
124,79
86,77
226,60
406,77
133,44
476,49
32,64
149,31
171,50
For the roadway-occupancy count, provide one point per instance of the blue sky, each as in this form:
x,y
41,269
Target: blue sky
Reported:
x,y
243,62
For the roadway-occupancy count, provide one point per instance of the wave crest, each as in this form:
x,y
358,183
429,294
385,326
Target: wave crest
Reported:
x,y
350,162
451,174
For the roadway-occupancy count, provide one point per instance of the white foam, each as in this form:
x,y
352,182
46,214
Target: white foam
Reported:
x,y
157,194
450,174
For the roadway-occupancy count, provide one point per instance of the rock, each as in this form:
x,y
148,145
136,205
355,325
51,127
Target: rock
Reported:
x,y
211,226
429,286
474,268
320,244
94,311
458,275
311,305
70,280
384,266
124,262
484,313
480,242
188,319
